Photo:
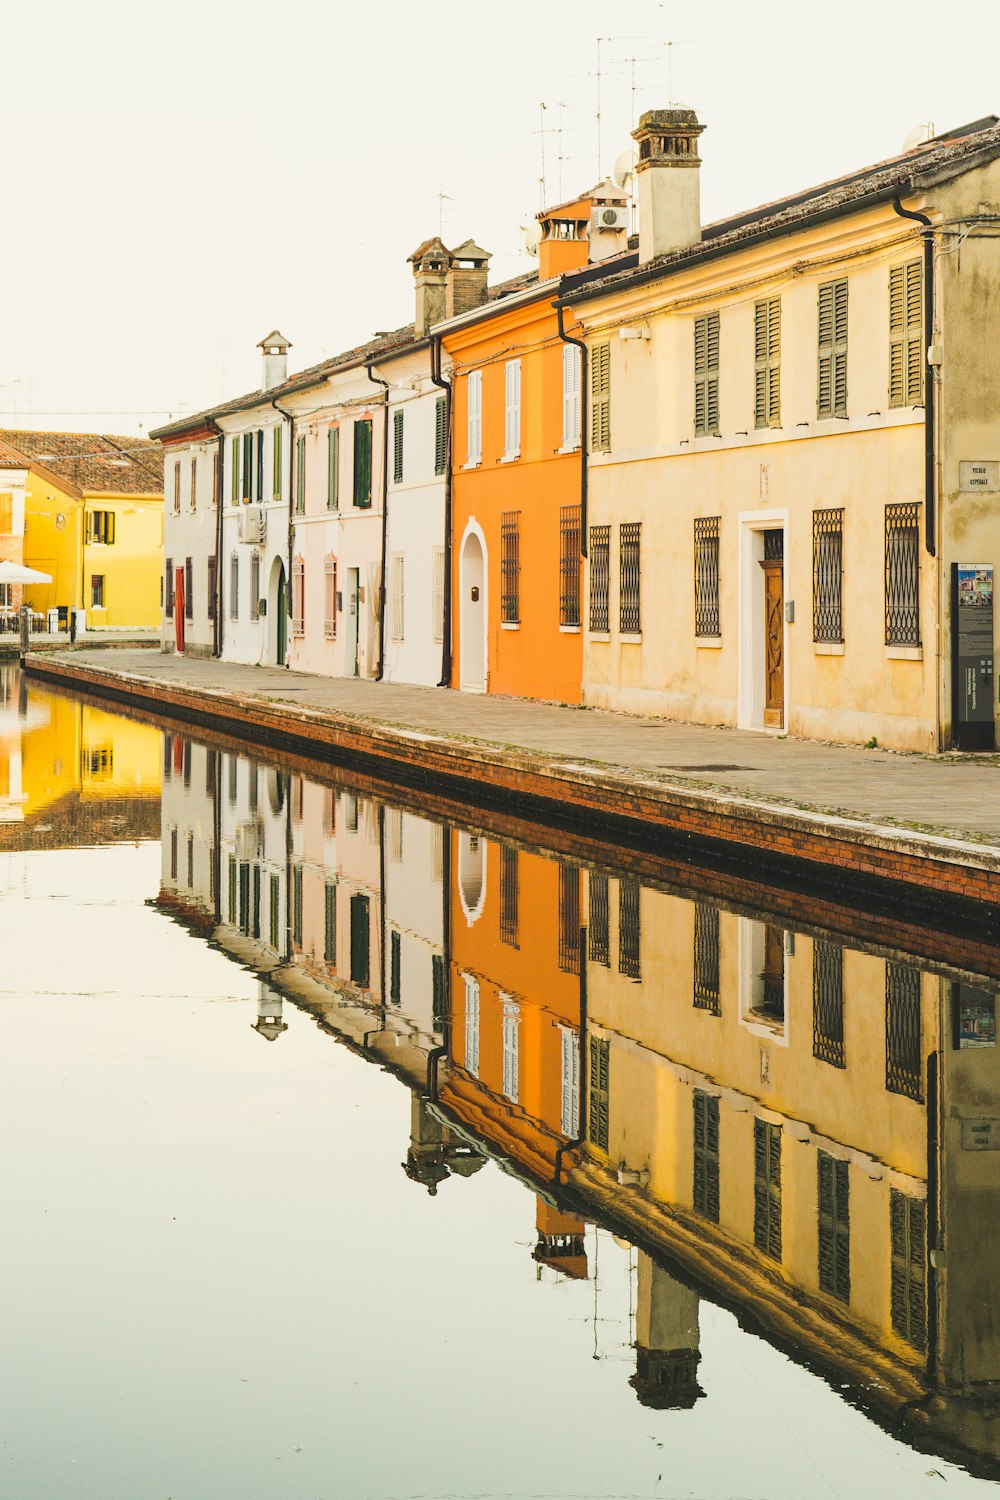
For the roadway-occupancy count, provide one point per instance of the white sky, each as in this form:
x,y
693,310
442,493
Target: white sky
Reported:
x,y
180,180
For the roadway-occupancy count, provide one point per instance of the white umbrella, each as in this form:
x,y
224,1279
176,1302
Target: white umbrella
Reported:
x,y
11,572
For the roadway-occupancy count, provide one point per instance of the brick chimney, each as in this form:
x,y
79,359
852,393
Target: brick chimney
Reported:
x,y
431,262
466,280
275,348
668,181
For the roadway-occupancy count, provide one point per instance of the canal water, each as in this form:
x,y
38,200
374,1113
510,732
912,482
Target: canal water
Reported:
x,y
359,1148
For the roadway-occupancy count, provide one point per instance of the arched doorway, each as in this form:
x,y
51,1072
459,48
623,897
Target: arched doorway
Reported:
x,y
472,875
277,614
472,613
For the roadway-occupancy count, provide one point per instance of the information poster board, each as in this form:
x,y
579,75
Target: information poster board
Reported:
x,y
972,595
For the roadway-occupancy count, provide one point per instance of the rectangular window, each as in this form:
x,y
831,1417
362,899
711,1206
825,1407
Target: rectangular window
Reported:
x,y
255,585
707,619
258,488
233,890
629,934
833,1213
828,575
472,1025
706,958
397,447
330,597
216,477
300,476
275,913
297,905
438,998
234,773
767,363
211,592
246,487
906,334
511,1051
569,1119
173,854
512,409
397,600
101,526
569,564
437,595
188,589
6,513
363,463
234,586
510,568
706,375
245,898
395,967
190,861
705,1197
276,445
767,1187
571,365
569,919
600,398
828,1003
97,591
902,575
168,588
903,1062
630,560
600,579
234,471
908,1281
474,393
831,389
440,435
599,1092
360,942
508,895
177,488
193,497
599,926
333,468
298,597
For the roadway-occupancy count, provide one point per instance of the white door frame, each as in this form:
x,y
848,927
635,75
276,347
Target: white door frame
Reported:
x,y
751,664
464,584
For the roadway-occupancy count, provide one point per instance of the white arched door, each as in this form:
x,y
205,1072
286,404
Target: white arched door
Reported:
x,y
472,615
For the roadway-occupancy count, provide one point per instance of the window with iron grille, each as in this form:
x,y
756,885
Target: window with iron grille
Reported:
x,y
828,1003
333,468
168,588
767,363
828,575
234,586
211,597
440,435
255,585
569,919
300,476
508,895
831,390
188,588
706,375
193,495
395,966
630,570
569,565
833,1214
298,597
706,958
397,597
397,447
330,597
903,1063
330,923
600,579
600,398
767,1187
902,575
908,1279
510,567
599,1092
629,934
599,937
706,576
706,1155
906,334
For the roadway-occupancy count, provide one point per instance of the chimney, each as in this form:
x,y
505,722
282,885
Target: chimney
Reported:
x,y
467,275
275,348
430,262
564,237
667,177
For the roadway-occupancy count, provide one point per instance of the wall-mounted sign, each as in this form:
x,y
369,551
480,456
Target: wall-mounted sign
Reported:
x,y
972,655
979,474
981,1135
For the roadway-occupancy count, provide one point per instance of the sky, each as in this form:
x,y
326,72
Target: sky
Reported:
x,y
179,181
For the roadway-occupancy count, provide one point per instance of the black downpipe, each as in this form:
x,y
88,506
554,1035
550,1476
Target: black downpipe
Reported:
x,y
291,502
435,1055
377,380
933,1206
930,457
581,1131
217,622
567,339
445,385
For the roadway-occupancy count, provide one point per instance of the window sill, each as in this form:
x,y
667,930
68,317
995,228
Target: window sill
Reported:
x,y
509,458
510,624
708,642
631,637
600,635
471,465
569,448
570,629
828,648
904,653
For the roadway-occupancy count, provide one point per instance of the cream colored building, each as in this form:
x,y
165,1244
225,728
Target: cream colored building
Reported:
x,y
794,437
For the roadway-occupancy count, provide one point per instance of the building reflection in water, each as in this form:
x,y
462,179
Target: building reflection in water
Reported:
x,y
796,1126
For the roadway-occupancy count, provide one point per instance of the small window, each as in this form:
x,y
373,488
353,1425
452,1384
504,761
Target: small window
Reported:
x,y
831,398
255,585
101,527
97,600
509,890
630,567
705,1197
363,463
902,575
569,564
330,597
903,1055
569,919
298,597
598,934
828,1003
706,958
234,586
706,375
767,363
510,567
828,575
629,930
600,579
707,620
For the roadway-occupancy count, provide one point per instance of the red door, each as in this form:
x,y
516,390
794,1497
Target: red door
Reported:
x,y
179,603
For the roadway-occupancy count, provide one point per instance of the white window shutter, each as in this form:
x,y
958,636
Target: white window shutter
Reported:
x,y
475,394
512,444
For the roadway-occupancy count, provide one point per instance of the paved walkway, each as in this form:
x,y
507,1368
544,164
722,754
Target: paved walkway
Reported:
x,y
947,795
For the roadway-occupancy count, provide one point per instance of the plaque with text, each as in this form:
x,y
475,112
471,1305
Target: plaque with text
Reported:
x,y
972,595
983,475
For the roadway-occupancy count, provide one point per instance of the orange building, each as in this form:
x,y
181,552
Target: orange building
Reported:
x,y
518,413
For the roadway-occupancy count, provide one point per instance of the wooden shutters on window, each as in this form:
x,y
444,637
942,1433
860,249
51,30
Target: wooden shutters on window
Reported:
x,y
333,469
832,1188
437,596
599,1091
298,597
397,447
906,330
705,1197
255,585
234,478
767,363
512,408
908,1283
212,602
363,463
276,433
706,375
396,598
572,359
832,381
600,398
767,1187
330,597
474,391
440,435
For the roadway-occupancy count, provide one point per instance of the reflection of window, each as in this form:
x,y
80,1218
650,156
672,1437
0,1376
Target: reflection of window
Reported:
x,y
360,943
438,999
395,967
600,1060
511,1053
828,1003
908,1292
569,919
233,890
173,854
834,1226
763,977
330,923
508,895
570,1117
600,942
706,1155
275,913
902,1031
706,957
767,1187
628,928
297,905
472,1025
97,591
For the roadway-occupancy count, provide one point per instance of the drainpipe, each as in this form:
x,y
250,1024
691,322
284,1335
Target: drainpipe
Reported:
x,y
435,1055
217,622
377,380
291,501
930,459
567,339
580,1136
445,385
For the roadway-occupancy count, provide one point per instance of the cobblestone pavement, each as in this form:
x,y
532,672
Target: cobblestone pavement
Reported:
x,y
954,795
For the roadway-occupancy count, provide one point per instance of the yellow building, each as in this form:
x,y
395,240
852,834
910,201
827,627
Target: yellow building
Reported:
x,y
93,520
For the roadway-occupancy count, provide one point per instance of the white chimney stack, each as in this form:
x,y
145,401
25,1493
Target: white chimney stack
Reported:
x,y
668,181
275,348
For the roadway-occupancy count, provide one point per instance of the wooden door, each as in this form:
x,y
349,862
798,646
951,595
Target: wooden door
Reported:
x,y
774,632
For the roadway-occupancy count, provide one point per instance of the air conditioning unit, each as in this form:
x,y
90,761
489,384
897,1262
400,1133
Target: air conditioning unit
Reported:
x,y
253,523
249,841
611,216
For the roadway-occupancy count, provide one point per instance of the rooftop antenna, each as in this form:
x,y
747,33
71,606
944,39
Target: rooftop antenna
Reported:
x,y
670,44
443,198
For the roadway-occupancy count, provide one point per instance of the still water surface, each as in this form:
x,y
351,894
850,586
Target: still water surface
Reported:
x,y
341,1164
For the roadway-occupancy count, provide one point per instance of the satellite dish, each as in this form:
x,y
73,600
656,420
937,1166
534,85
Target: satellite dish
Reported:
x,y
532,237
622,171
919,136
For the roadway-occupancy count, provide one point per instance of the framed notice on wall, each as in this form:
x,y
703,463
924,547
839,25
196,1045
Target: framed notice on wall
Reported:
x,y
972,656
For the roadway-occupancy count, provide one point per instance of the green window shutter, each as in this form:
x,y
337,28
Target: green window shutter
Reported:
x,y
706,375
914,333
234,486
832,377
300,476
360,941
333,469
440,435
760,364
906,335
363,463
276,463
397,447
600,398
767,363
247,465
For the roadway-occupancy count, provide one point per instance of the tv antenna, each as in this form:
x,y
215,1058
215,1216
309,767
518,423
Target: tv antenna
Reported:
x,y
443,198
